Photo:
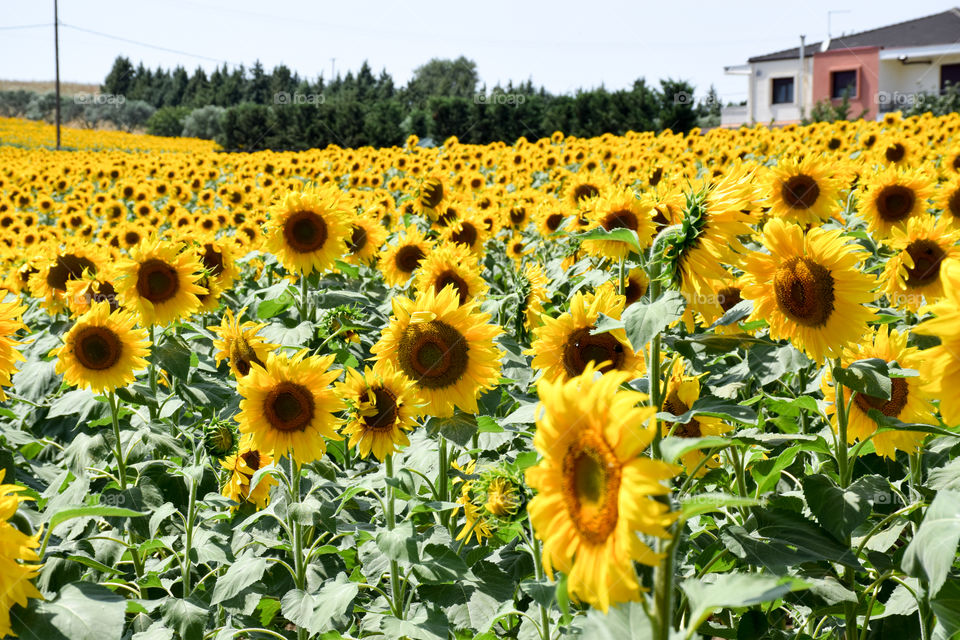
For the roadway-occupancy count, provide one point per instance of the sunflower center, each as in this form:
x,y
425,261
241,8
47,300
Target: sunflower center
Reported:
x,y
728,298
591,486
408,258
553,221
805,291
518,214
620,219
68,267
895,202
800,192
466,235
895,152
677,407
289,407
459,284
305,232
434,354
431,193
581,348
212,260
386,415
585,191
243,356
890,408
634,290
926,255
358,239
157,281
956,162
98,348
953,204
252,458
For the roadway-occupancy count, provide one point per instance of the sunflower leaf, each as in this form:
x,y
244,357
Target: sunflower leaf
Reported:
x,y
645,320
869,377
626,236
933,549
734,590
735,314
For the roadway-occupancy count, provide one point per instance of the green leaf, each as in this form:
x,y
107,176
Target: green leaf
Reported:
x,y
63,515
627,621
458,428
79,611
605,324
946,606
486,424
736,313
716,407
626,236
525,414
706,502
869,377
933,549
279,299
645,320
241,574
316,612
188,617
766,473
173,355
945,477
439,565
399,544
673,447
718,590
839,511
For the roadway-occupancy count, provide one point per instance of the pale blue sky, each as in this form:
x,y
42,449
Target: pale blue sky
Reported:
x,y
561,45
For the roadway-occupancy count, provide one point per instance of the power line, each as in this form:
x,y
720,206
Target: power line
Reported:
x,y
144,44
26,26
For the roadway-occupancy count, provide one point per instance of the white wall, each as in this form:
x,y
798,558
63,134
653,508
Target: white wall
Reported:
x,y
914,78
763,109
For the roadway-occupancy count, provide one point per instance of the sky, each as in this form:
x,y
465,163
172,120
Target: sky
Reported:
x,y
562,45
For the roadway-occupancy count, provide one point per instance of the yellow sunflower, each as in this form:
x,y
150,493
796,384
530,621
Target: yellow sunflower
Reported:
x,y
596,489
909,401
160,281
451,264
805,191
940,366
102,350
430,196
239,344
620,209
382,405
367,236
446,348
88,289
947,200
49,282
891,197
242,468
537,294
18,558
563,347
288,406
913,273
809,288
11,314
681,392
308,230
399,261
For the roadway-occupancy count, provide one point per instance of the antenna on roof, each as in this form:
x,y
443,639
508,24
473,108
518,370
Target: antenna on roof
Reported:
x,y
829,19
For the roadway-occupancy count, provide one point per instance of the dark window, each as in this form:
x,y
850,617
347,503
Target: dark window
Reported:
x,y
782,90
949,75
843,83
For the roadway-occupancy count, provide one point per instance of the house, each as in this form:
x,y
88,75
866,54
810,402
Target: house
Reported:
x,y
880,70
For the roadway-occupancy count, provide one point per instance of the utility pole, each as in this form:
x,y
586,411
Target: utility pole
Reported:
x,y
56,58
802,76
333,68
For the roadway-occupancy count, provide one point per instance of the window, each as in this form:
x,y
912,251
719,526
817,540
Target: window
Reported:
x,y
949,75
843,83
782,90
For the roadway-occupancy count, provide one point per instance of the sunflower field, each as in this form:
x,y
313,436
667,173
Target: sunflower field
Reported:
x,y
653,386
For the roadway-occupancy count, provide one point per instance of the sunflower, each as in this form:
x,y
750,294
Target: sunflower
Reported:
x,y
308,230
10,322
160,281
467,231
381,404
49,282
446,348
635,285
102,350
947,200
809,288
913,273
909,401
367,235
805,191
620,209
451,264
399,261
941,364
491,498
242,467
18,555
583,188
288,406
536,294
707,238
681,392
88,289
430,196
475,524
240,344
596,490
219,261
563,347
891,197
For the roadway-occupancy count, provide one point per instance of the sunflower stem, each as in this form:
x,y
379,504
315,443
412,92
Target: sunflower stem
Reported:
x,y
299,567
849,579
122,477
538,571
304,301
622,287
152,371
442,479
391,525
188,545
663,594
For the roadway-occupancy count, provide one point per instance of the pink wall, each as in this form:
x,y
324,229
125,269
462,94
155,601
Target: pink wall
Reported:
x,y
865,61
